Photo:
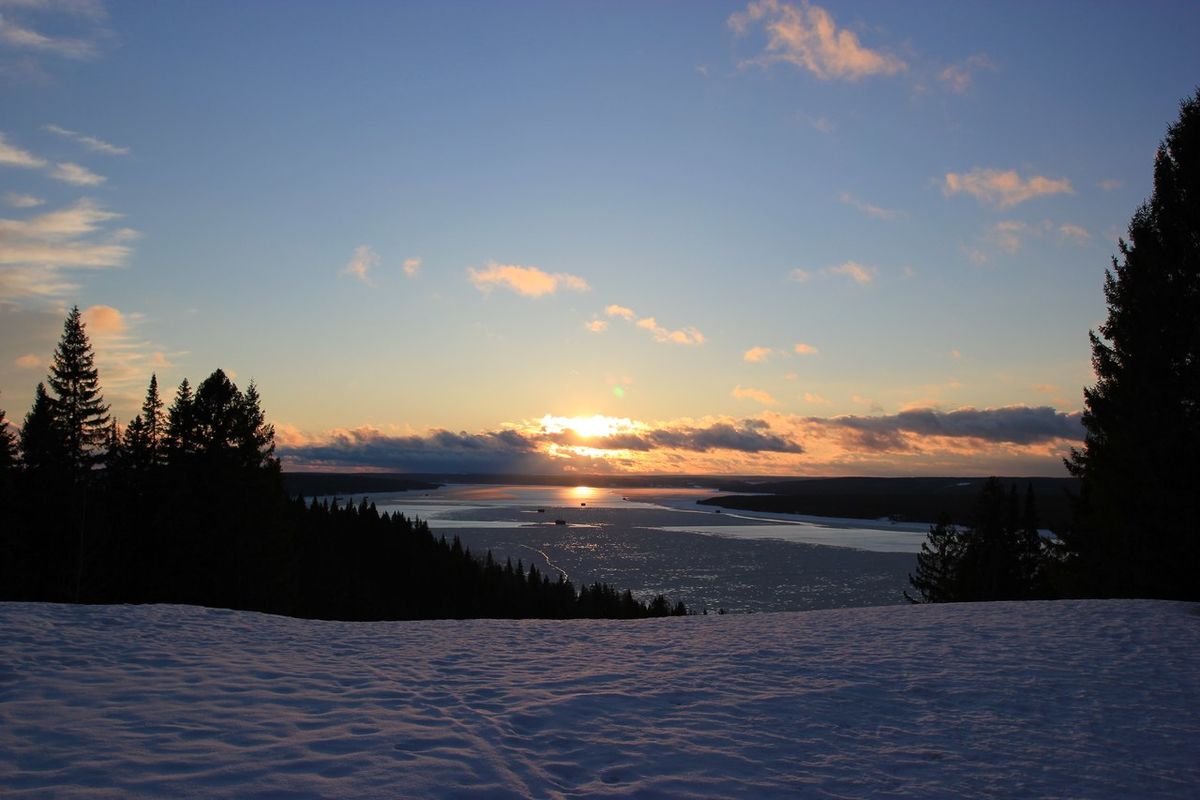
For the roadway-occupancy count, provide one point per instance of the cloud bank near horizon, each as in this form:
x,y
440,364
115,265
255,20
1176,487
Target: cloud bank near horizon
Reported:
x,y
1024,438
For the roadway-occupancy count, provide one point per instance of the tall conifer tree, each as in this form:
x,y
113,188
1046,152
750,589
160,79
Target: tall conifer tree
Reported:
x,y
8,445
1135,530
79,407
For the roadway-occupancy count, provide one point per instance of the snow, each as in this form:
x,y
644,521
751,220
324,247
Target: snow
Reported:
x,y
1090,699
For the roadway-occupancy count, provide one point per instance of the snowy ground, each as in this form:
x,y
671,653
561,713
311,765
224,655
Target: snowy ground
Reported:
x,y
1072,699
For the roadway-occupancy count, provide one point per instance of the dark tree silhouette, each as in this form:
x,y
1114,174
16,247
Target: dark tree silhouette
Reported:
x,y
1135,527
8,445
43,449
142,446
79,408
998,555
181,422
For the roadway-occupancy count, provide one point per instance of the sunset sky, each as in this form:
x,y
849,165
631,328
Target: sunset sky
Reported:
x,y
776,238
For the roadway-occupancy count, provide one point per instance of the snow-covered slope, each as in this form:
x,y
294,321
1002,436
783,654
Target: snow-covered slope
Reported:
x,y
1071,699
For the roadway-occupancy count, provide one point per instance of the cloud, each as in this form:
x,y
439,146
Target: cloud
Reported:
x,y
821,124
13,156
597,326
750,393
22,200
856,272
104,320
411,267
1006,235
687,336
1109,184
535,446
875,212
34,252
365,259
799,275
68,172
1075,233
802,349
26,38
28,361
90,142
807,37
525,281
1003,188
619,311
1022,425
756,355
812,397
958,77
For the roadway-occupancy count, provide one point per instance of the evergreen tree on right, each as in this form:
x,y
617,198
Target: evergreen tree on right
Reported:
x,y
1135,531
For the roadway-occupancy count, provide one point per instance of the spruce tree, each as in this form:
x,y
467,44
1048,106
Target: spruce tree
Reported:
x,y
1134,533
181,423
43,447
8,445
79,407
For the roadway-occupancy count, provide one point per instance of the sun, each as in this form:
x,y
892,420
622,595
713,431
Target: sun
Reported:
x,y
596,426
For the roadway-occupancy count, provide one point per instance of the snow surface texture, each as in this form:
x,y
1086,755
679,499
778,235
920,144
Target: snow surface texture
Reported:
x,y
1091,699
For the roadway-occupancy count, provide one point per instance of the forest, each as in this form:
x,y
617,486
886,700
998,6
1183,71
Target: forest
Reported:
x,y
187,504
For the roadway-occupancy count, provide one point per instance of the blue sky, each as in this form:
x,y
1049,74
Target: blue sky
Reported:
x,y
754,237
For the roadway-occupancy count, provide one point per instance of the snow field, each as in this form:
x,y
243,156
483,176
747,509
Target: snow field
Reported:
x,y
1089,699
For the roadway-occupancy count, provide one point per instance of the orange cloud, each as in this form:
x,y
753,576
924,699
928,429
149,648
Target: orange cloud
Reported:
x,y
856,272
411,267
687,335
749,393
1003,188
619,311
365,259
756,355
104,320
525,281
28,361
802,349
597,326
806,36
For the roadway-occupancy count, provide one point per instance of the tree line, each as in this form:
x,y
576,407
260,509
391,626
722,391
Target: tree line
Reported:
x,y
186,504
1134,524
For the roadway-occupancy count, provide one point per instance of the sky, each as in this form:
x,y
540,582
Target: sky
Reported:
x,y
776,238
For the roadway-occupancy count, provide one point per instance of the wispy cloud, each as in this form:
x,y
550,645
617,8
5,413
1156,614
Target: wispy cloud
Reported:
x,y
814,398
597,326
525,281
1108,184
802,349
25,38
799,275
411,267
1075,233
750,393
1003,188
875,212
860,274
35,252
686,336
958,77
619,311
68,172
90,142
17,200
365,259
13,156
1006,235
29,361
807,37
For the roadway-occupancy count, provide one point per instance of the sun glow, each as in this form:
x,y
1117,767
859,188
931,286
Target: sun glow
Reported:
x,y
595,426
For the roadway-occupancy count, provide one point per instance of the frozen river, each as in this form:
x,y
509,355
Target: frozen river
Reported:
x,y
653,540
